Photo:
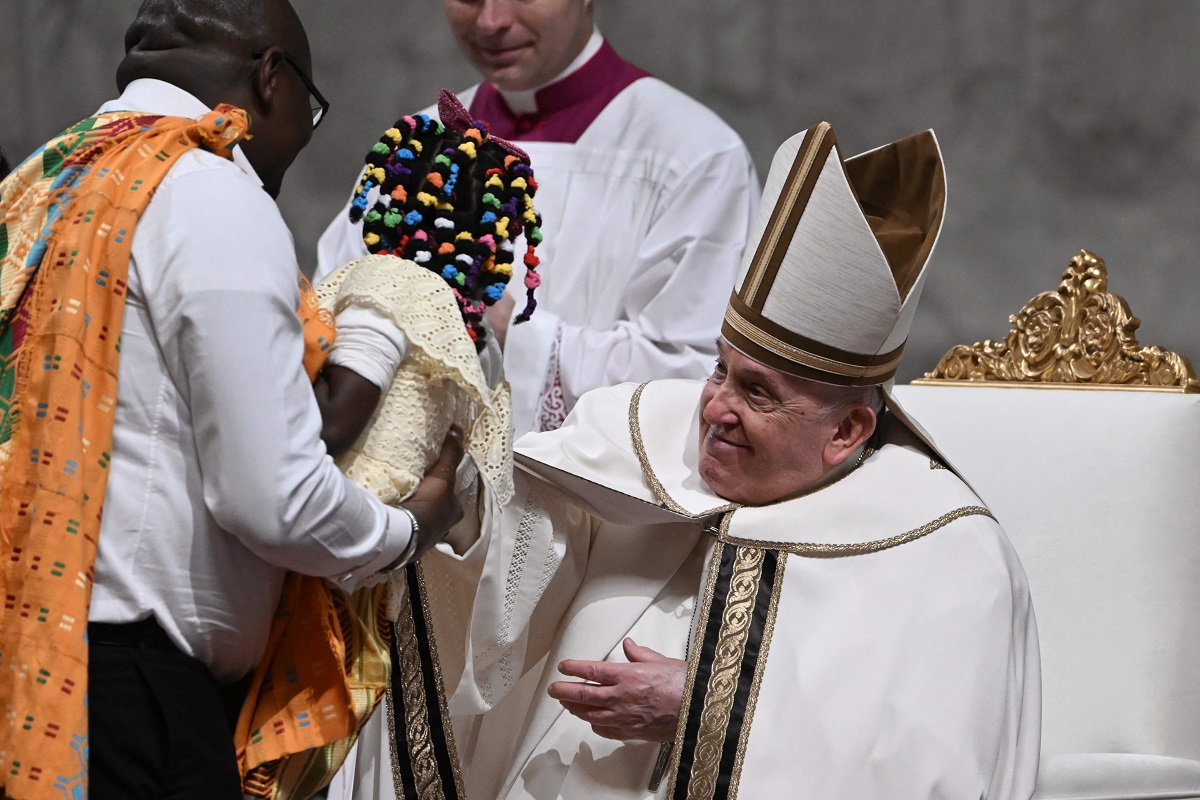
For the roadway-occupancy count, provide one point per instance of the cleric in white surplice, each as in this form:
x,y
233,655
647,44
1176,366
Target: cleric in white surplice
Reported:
x,y
776,587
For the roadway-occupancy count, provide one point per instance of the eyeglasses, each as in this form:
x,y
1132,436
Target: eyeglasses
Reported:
x,y
322,105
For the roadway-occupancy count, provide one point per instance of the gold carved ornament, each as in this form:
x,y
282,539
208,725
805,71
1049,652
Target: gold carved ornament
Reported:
x,y
1079,335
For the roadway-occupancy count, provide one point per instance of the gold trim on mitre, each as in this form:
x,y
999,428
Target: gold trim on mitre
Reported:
x,y
874,221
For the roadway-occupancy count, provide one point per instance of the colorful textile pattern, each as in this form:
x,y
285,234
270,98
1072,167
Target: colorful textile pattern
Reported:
x,y
324,667
320,329
322,677
67,218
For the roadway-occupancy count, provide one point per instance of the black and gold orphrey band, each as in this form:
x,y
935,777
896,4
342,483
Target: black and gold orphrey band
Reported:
x,y
737,622
424,759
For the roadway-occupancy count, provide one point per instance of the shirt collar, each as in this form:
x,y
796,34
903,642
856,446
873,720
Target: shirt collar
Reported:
x,y
152,96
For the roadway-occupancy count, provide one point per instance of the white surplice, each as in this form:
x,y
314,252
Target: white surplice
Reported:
x,y
907,671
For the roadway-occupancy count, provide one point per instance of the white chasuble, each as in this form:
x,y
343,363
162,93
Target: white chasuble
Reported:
x,y
871,639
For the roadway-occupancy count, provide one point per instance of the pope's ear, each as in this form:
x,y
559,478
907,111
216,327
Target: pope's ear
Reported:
x,y
852,432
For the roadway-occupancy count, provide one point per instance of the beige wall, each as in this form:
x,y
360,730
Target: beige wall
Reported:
x,y
1068,124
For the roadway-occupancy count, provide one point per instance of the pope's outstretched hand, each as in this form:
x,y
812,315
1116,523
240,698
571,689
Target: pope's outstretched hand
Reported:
x,y
635,701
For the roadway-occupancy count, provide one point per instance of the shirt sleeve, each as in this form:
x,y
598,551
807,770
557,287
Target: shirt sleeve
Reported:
x,y
223,302
368,343
671,312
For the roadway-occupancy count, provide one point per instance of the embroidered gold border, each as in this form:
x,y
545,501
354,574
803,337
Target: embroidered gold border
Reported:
x,y
759,668
439,681
722,687
665,500
819,550
714,573
416,723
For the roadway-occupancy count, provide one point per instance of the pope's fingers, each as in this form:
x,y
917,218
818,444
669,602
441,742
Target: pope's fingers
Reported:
x,y
587,694
636,652
590,714
606,732
603,672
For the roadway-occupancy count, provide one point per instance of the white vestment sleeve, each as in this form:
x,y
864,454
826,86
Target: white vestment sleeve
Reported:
x,y
536,554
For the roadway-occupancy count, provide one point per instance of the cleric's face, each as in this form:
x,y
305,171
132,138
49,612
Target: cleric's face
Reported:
x,y
520,44
764,435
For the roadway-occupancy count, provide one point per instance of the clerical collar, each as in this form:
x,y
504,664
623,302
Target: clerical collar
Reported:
x,y
525,101
566,106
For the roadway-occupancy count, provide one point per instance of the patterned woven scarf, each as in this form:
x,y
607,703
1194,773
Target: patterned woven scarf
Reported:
x,y
67,218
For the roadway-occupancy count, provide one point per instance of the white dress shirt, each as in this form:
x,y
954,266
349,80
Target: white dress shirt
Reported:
x,y
219,482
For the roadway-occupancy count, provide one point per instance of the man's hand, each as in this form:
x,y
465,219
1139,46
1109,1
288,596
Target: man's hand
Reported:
x,y
434,503
499,314
635,701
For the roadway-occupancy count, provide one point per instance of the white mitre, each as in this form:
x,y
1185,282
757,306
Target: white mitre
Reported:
x,y
830,281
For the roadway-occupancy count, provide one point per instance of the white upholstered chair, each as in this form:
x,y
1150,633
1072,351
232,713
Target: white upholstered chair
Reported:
x,y
1087,449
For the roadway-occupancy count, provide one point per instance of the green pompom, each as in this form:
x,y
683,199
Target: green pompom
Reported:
x,y
373,216
381,148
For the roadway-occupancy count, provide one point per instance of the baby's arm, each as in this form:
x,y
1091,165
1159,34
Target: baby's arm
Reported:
x,y
364,358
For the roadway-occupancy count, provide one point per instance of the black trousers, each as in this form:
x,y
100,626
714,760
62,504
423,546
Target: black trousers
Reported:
x,y
159,725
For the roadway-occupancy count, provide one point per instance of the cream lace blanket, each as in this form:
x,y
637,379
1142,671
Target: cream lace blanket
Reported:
x,y
439,382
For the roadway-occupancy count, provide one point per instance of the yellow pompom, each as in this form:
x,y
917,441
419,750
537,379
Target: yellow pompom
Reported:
x,y
445,206
495,181
468,148
503,269
371,239
464,237
502,227
377,174
425,198
416,146
519,183
529,216
393,134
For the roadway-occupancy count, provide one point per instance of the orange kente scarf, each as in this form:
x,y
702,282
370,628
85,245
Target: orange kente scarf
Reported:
x,y
67,219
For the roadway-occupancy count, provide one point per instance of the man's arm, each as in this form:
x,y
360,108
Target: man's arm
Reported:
x,y
224,304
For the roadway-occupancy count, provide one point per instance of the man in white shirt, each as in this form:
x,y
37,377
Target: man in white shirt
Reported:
x,y
218,483
645,195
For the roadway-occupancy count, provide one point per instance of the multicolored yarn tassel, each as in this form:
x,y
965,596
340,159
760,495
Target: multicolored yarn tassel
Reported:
x,y
453,199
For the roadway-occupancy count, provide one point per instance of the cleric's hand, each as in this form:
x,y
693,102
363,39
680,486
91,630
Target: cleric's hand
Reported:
x,y
639,700
434,503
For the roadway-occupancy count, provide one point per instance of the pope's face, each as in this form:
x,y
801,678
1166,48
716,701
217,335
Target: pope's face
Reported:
x,y
520,44
763,434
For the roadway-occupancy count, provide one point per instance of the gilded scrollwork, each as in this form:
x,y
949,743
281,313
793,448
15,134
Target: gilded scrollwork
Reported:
x,y
1078,334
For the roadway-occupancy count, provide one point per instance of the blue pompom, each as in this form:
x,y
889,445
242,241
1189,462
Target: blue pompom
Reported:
x,y
449,272
413,218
